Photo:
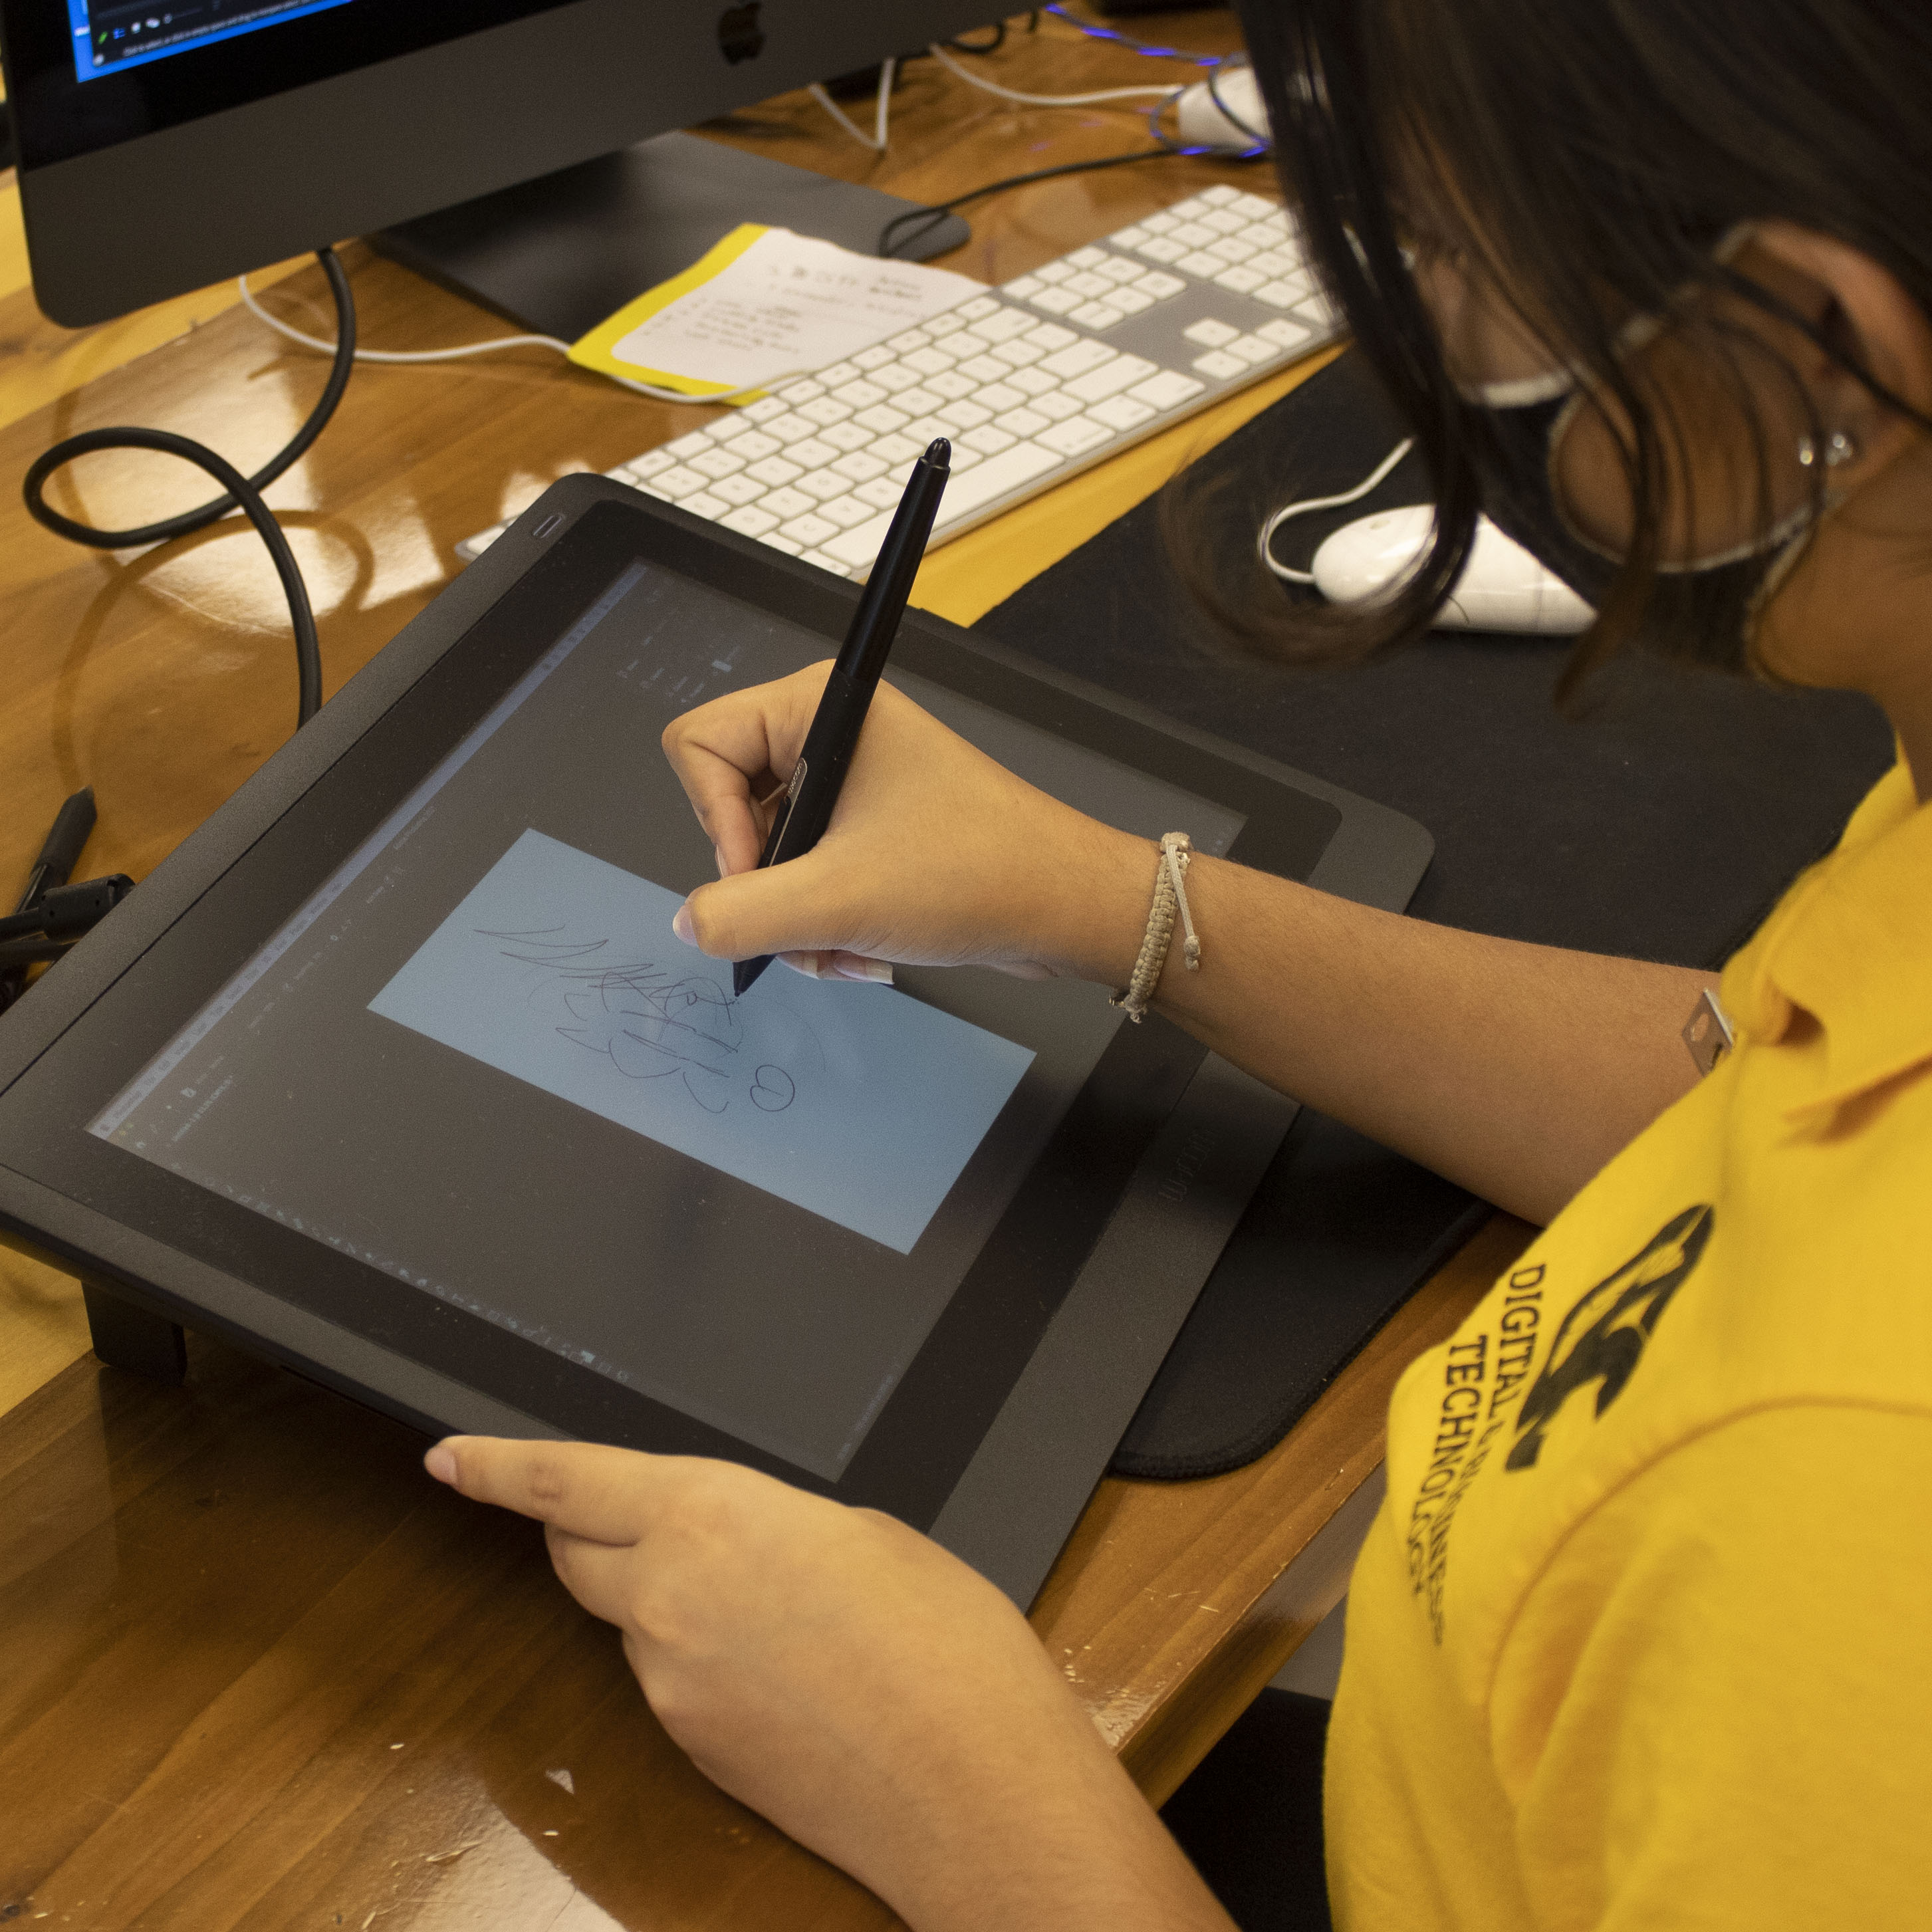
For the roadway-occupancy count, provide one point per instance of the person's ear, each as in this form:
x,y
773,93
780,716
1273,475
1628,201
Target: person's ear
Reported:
x,y
1865,314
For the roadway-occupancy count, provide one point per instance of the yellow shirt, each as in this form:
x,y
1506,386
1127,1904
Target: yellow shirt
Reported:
x,y
1643,1636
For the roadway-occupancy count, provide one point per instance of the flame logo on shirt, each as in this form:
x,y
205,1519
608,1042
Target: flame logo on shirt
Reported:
x,y
1603,1338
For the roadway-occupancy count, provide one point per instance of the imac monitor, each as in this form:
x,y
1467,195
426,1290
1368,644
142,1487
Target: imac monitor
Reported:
x,y
169,144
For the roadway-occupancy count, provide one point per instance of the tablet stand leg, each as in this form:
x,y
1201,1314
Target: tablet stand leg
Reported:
x,y
130,1338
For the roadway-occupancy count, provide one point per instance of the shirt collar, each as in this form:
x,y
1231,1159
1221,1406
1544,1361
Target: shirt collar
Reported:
x,y
1850,944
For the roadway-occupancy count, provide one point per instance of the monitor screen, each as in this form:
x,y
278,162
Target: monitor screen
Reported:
x,y
118,34
476,1060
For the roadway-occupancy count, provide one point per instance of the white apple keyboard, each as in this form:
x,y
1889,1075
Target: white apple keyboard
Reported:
x,y
1031,382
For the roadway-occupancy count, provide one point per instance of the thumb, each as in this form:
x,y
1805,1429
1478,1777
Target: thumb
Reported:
x,y
780,909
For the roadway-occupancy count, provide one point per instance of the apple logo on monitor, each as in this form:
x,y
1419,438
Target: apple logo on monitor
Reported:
x,y
739,36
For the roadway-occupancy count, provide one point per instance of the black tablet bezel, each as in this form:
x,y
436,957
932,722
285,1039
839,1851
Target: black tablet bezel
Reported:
x,y
214,901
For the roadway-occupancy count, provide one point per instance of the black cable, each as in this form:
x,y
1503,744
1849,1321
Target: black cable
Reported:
x,y
932,216
241,492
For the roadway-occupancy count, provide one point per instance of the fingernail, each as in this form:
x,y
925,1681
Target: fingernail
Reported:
x,y
441,1462
681,924
879,972
806,963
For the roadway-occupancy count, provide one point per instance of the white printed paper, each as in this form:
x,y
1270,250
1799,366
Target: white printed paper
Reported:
x,y
787,304
854,1102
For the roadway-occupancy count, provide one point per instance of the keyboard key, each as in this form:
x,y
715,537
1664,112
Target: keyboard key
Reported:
x,y
847,435
763,410
1166,390
896,376
920,402
1232,249
858,394
810,530
649,464
882,419
1110,379
1098,315
847,510
1253,206
1273,262
1057,404
779,541
965,415
1159,286
1218,364
1031,382
1317,314
1121,412
1126,238
754,445
1252,348
1087,258
961,344
752,520
1130,301
1163,248
1057,301
471,548
786,504
790,428
1157,224
1050,336
818,559
822,485
1241,280
1224,221
1022,422
1117,268
980,306
1209,333
1054,272
824,410
688,446
1089,284
715,462
876,357
923,429
1284,335
672,484
712,508
987,440
930,361
1003,325
774,472
860,466
951,386
1077,357
834,375
737,490
907,341
1279,295
882,493
1194,234
812,455
998,396
1202,264
983,369
996,477
1025,285
964,458
1219,197
896,448
1019,355
802,391
1074,437
1192,208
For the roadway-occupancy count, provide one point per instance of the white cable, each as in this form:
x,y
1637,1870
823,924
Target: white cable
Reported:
x,y
881,110
1265,544
657,394
986,86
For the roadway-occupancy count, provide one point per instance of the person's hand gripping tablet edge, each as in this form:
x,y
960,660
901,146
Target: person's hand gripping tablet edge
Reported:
x,y
936,854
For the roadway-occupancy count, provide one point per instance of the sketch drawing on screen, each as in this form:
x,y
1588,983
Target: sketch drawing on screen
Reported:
x,y
653,1025
856,1102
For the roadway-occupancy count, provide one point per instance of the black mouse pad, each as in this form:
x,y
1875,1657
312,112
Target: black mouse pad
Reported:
x,y
1662,822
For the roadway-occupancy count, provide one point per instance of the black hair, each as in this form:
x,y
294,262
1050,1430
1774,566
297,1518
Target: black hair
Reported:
x,y
1586,160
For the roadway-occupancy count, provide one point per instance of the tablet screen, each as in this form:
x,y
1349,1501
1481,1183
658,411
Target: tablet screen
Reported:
x,y
477,1059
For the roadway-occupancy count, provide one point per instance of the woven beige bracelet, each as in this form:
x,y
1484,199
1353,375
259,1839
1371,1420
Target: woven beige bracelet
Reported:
x,y
1170,896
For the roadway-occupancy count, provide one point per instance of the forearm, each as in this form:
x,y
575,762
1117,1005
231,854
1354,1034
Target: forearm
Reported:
x,y
1515,1070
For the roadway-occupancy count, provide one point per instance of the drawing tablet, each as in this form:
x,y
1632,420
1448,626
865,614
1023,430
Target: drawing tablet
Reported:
x,y
396,1072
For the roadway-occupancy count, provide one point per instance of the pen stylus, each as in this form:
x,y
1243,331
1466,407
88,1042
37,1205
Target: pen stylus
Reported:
x,y
806,808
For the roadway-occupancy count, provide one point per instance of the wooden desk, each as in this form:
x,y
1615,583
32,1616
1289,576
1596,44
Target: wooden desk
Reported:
x,y
255,1669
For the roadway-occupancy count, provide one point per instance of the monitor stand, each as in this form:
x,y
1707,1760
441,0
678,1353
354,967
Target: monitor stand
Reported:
x,y
559,254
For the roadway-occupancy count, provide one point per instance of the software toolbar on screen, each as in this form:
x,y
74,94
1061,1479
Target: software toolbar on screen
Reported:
x,y
109,36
